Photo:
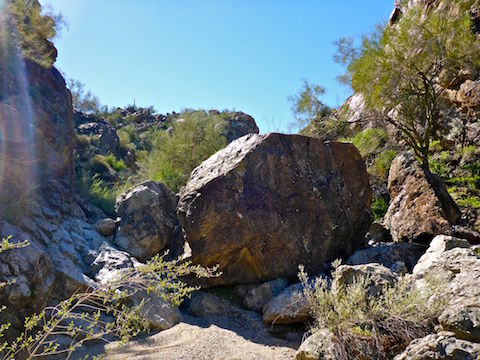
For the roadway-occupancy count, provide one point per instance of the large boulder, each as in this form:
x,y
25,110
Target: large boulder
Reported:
x,y
148,221
421,206
265,204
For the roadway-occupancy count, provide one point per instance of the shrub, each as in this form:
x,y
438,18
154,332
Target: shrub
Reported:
x,y
24,21
379,208
192,141
381,165
117,164
99,193
102,311
369,327
370,141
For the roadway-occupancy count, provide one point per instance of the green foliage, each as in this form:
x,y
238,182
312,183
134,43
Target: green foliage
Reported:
x,y
99,193
192,140
307,105
374,327
83,101
370,141
315,118
381,164
397,68
25,22
117,164
103,311
379,208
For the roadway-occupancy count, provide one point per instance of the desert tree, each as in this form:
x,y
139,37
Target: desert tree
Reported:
x,y
399,68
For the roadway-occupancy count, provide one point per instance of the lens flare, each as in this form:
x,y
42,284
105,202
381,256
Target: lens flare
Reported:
x,y
17,121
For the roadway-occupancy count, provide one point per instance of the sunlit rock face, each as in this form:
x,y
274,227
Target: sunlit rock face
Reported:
x,y
36,128
265,204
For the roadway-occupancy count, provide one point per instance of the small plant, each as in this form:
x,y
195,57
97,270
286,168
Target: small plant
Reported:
x,y
100,193
370,141
103,311
117,164
381,164
379,208
193,140
373,327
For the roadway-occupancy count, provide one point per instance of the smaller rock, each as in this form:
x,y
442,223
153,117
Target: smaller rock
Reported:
x,y
440,346
109,263
319,346
466,233
377,277
160,314
105,227
148,220
421,207
288,307
438,246
464,321
206,304
378,233
257,296
389,255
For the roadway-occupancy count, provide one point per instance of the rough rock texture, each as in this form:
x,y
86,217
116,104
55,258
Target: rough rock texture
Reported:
x,y
440,346
238,125
148,221
36,134
53,266
265,204
288,307
376,276
106,135
391,255
319,346
457,266
438,246
421,206
463,320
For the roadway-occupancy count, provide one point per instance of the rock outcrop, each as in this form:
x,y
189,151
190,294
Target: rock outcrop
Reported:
x,y
148,222
266,204
421,206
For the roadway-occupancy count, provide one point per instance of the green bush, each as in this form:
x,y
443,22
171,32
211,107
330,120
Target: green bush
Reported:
x,y
369,327
175,155
370,141
99,193
379,208
117,164
381,164
27,22
102,312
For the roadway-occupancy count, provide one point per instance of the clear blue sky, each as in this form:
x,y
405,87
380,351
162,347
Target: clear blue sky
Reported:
x,y
248,55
